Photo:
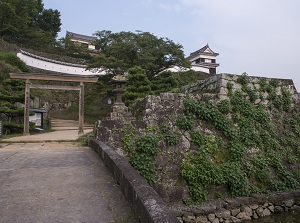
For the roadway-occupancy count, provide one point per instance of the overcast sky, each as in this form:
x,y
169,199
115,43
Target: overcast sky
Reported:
x,y
259,37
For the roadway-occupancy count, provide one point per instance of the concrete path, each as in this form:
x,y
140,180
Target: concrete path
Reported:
x,y
61,136
58,182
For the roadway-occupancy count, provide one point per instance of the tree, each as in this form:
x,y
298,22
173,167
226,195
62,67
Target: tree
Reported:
x,y
26,22
11,92
138,85
164,82
128,49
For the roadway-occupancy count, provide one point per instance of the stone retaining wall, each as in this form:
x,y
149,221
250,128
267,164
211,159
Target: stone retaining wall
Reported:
x,y
146,202
239,209
218,85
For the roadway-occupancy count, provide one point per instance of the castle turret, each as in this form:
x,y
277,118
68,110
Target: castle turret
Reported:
x,y
204,59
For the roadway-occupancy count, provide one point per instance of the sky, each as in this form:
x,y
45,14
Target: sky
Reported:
x,y
259,37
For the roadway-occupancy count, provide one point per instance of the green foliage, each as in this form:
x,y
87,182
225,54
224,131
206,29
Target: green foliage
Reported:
x,y
13,60
128,49
163,82
11,92
26,22
224,106
209,112
243,79
255,155
189,77
172,138
12,127
142,157
138,85
185,122
263,84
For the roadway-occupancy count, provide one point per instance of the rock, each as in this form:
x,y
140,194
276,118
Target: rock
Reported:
x,y
225,214
288,203
180,219
286,209
211,217
295,208
257,101
159,188
265,205
234,212
255,216
254,206
216,220
201,219
271,208
266,212
175,193
243,216
218,215
235,220
188,218
260,211
248,211
227,221
278,209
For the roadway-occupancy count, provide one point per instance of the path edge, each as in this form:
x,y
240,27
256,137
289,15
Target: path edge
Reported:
x,y
147,204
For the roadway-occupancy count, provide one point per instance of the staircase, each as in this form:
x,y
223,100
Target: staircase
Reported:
x,y
61,124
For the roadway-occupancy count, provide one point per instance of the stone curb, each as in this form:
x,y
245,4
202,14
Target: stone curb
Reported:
x,y
145,201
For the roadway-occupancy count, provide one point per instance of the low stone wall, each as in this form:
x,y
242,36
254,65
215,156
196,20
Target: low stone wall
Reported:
x,y
239,209
146,202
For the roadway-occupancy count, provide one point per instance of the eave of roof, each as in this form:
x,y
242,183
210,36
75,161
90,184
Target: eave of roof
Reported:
x,y
202,51
80,37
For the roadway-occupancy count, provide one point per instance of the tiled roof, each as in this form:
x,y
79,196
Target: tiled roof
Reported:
x,y
80,37
202,50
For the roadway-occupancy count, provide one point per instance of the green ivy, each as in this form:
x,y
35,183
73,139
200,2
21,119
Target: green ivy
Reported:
x,y
260,149
185,122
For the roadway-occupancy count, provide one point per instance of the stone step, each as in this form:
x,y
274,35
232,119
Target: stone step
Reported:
x,y
62,124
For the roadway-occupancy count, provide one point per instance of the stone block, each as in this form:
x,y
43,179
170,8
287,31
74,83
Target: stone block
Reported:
x,y
288,203
201,219
234,212
271,208
243,216
167,96
211,217
295,208
254,216
235,220
278,209
216,220
259,211
225,214
248,211
266,212
190,218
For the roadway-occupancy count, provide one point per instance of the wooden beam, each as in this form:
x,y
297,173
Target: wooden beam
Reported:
x,y
55,87
81,108
26,108
55,77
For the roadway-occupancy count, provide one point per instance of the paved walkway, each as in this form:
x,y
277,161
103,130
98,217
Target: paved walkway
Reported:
x,y
58,182
61,136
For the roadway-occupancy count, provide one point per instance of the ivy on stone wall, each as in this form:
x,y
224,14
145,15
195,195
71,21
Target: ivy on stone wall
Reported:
x,y
257,154
247,143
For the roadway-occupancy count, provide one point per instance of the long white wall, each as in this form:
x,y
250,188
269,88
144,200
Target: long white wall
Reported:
x,y
194,67
56,66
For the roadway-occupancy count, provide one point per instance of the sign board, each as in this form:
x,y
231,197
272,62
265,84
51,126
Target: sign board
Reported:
x,y
1,128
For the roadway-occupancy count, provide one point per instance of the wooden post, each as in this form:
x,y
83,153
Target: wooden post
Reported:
x,y
81,108
26,108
